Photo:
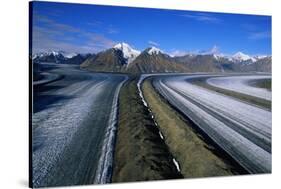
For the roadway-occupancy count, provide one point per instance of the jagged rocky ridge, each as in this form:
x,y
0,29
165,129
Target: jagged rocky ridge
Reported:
x,y
60,57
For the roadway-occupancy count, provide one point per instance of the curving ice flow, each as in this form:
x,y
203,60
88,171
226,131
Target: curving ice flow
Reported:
x,y
242,130
73,127
241,84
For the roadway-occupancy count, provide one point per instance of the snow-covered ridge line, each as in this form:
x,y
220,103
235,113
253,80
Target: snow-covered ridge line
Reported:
x,y
54,53
154,50
239,56
130,54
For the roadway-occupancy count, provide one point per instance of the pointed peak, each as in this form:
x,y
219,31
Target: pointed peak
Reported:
x,y
240,57
128,52
153,50
121,46
239,53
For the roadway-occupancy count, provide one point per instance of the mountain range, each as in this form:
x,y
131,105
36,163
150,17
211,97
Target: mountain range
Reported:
x,y
123,58
60,57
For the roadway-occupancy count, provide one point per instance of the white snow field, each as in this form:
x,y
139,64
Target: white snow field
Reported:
x,y
241,84
242,130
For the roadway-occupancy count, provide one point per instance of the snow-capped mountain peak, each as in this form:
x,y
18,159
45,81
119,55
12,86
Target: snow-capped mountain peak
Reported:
x,y
128,52
154,50
55,53
122,46
68,55
239,56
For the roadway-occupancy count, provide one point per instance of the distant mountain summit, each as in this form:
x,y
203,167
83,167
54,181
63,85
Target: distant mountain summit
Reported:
x,y
129,54
153,60
52,56
59,57
153,51
123,58
241,57
115,59
262,64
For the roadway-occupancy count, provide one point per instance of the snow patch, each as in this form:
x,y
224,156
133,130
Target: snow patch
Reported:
x,y
176,164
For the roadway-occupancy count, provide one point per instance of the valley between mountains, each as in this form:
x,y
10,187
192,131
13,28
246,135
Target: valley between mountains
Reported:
x,y
122,115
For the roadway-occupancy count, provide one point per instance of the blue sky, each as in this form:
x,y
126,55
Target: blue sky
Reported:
x,y
90,28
